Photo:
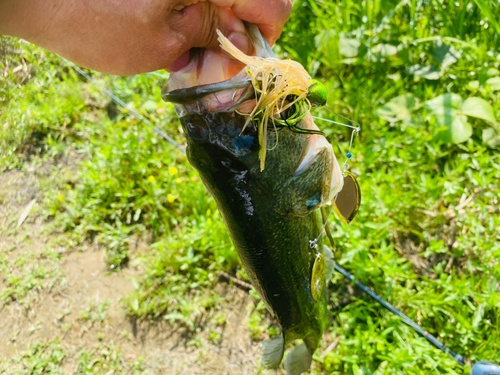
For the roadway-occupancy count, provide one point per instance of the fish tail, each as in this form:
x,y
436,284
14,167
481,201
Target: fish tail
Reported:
x,y
299,360
272,352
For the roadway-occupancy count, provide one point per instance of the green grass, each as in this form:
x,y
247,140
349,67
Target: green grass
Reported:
x,y
28,273
39,359
51,358
415,240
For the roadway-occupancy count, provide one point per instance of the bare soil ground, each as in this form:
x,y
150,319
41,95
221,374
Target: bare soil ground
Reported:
x,y
79,303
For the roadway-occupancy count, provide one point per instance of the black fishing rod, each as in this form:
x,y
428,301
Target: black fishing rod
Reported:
x,y
478,368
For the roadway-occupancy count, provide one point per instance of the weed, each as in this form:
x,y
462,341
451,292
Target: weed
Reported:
x,y
25,275
105,358
39,359
93,314
423,80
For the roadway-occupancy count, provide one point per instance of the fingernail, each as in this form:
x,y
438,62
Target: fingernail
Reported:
x,y
241,41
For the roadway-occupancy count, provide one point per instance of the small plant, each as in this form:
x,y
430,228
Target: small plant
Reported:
x,y
95,313
39,359
105,358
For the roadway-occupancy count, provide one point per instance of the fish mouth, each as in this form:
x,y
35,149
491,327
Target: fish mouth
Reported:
x,y
225,95
214,78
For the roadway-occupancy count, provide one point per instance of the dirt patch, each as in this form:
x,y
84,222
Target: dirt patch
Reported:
x,y
72,314
84,307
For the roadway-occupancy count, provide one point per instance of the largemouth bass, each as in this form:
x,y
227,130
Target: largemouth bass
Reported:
x,y
272,214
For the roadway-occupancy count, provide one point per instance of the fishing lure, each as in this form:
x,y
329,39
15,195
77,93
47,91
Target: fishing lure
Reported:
x,y
284,93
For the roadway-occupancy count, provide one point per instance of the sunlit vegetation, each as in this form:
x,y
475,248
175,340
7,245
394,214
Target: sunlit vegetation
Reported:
x,y
423,81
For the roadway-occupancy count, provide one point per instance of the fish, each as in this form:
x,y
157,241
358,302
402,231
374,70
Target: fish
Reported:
x,y
272,214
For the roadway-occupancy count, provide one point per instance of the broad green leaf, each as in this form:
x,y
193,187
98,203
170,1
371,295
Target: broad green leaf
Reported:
x,y
474,84
349,47
385,50
478,316
457,130
149,106
492,72
427,72
395,77
491,137
445,103
398,108
479,108
444,54
380,51
494,83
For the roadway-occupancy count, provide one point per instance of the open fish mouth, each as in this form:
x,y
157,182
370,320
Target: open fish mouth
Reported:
x,y
213,82
207,67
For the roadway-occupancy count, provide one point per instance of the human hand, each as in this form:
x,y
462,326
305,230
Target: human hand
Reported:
x,y
134,36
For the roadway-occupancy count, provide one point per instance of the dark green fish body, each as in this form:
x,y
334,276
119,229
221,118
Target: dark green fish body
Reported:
x,y
270,228
271,215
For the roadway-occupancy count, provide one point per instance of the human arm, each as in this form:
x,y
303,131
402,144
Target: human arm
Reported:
x,y
134,36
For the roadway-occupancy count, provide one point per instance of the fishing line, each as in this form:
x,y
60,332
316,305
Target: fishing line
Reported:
x,y
124,105
335,122
155,128
141,118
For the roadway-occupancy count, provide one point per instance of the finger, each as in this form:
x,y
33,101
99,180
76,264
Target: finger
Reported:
x,y
196,25
269,15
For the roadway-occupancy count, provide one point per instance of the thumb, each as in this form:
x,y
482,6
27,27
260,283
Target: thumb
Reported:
x,y
211,17
269,15
196,25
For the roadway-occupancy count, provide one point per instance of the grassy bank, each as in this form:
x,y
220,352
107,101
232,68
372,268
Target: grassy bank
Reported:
x,y
423,81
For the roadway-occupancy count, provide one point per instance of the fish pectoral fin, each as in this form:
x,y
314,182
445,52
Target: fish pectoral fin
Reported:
x,y
329,263
272,352
314,183
299,360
